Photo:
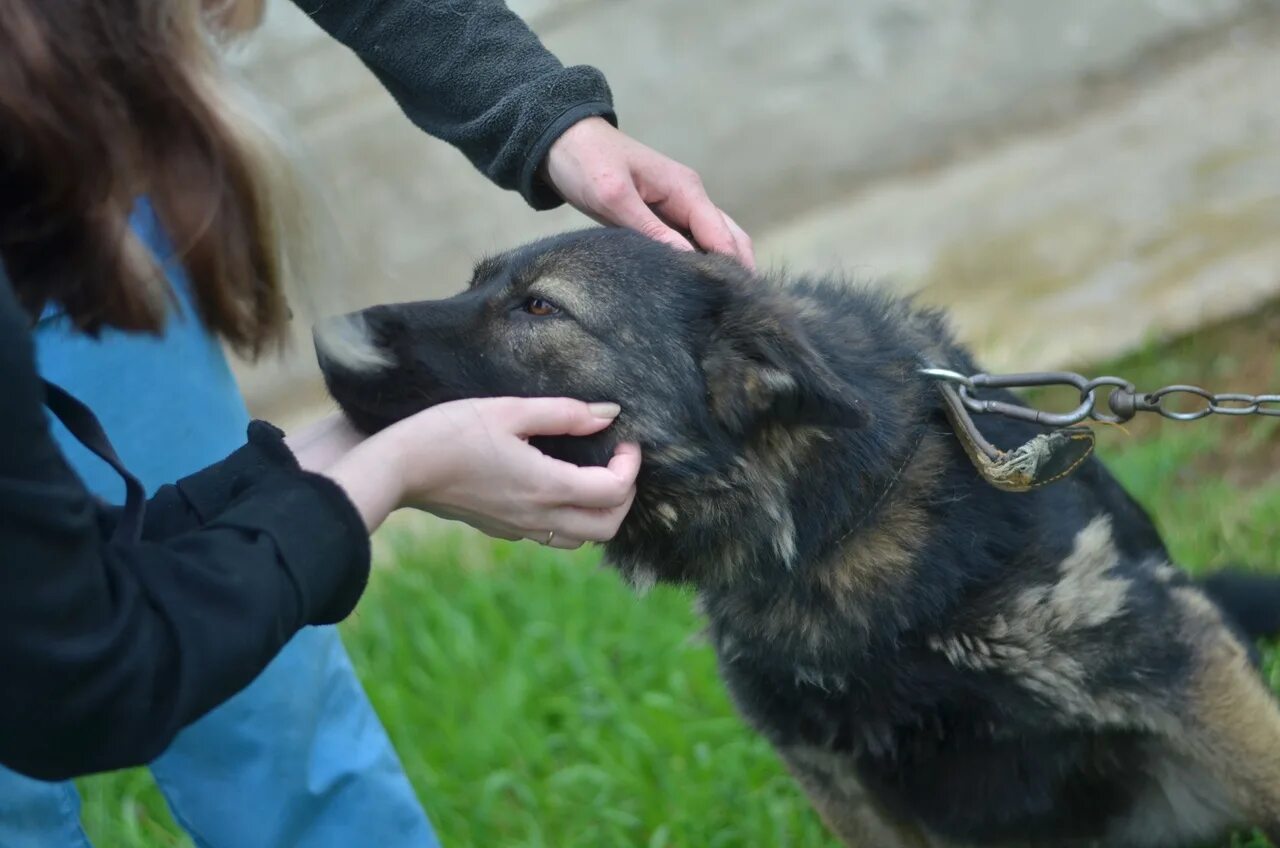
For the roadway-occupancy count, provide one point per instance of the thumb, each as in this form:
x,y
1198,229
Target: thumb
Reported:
x,y
561,417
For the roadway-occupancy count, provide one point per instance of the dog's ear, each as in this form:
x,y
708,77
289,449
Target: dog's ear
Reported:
x,y
760,365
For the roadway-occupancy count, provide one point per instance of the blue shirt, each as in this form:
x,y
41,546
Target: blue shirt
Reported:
x,y
170,404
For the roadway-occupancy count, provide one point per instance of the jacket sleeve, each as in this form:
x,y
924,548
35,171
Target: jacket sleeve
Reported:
x,y
471,73
195,500
108,650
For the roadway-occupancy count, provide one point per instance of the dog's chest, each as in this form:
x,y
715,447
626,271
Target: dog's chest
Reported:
x,y
799,700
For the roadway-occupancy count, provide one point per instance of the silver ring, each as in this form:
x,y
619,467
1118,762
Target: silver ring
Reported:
x,y
551,534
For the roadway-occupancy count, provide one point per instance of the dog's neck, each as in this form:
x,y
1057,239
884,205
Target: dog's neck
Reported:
x,y
805,536
802,536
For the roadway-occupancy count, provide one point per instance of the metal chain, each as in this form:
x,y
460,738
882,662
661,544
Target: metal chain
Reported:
x,y
1123,401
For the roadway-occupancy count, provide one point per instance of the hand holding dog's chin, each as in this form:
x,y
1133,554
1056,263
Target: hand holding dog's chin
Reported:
x,y
614,179
471,461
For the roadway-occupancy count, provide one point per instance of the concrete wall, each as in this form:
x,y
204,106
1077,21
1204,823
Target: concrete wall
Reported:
x,y
1075,158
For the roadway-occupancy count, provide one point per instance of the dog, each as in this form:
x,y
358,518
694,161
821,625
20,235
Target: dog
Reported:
x,y
937,662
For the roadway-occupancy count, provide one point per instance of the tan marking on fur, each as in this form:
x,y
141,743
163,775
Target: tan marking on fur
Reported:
x,y
832,786
643,579
805,675
1233,724
564,347
759,473
668,515
878,555
766,471
784,620
882,553
1057,678
763,385
673,454
639,575
784,532
785,451
574,262
1026,643
1086,595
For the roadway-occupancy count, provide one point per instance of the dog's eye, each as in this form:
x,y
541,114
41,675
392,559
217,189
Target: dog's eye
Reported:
x,y
540,307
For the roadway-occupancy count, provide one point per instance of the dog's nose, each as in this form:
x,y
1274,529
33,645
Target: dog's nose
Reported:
x,y
384,324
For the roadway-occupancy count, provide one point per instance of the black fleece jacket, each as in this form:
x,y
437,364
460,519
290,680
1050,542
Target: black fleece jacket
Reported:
x,y
108,649
471,73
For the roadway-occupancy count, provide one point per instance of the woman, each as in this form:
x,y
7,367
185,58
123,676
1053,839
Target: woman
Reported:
x,y
309,772
115,636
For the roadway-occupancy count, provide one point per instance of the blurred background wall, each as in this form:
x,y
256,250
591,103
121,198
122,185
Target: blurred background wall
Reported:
x,y
1070,178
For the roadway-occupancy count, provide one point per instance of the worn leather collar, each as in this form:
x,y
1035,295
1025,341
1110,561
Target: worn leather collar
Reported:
x,y
1045,459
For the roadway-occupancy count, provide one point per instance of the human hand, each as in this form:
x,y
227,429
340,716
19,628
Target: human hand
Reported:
x,y
471,461
323,442
616,180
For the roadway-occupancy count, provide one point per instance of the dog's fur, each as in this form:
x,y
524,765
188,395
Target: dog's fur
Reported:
x,y
939,663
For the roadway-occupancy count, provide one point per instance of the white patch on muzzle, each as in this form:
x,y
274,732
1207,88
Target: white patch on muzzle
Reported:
x,y
345,340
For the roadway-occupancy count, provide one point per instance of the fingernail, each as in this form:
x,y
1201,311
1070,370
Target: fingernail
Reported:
x,y
604,410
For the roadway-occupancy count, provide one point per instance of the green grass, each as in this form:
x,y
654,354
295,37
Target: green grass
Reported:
x,y
536,702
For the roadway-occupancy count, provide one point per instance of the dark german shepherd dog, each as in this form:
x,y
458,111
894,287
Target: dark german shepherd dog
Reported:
x,y
938,662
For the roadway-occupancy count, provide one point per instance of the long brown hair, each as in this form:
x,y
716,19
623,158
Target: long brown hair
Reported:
x,y
105,101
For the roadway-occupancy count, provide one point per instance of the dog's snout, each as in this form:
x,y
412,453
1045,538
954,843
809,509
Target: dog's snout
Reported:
x,y
384,324
353,342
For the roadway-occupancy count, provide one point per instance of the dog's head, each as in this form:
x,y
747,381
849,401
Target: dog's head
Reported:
x,y
698,352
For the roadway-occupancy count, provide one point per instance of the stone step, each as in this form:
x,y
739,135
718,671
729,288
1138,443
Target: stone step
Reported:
x,y
1146,218
1068,179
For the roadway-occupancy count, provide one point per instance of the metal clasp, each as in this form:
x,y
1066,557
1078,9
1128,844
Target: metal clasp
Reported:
x,y
1032,379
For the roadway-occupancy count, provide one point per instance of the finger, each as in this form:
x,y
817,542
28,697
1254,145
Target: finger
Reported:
x,y
746,250
623,207
739,252
558,416
625,462
689,208
561,538
565,543
593,525
599,488
709,228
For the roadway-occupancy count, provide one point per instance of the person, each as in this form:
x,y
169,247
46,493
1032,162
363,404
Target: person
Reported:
x,y
267,767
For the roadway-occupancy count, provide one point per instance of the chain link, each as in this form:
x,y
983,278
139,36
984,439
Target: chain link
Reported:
x,y
1122,400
